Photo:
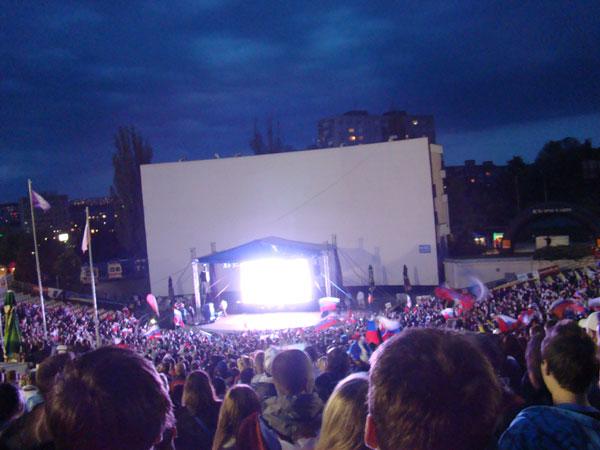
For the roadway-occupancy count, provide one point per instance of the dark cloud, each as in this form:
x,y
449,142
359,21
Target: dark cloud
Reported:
x,y
500,77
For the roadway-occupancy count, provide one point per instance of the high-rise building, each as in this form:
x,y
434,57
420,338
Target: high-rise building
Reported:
x,y
398,125
102,214
360,127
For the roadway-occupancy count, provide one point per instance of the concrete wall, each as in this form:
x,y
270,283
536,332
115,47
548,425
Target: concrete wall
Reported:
x,y
377,199
459,271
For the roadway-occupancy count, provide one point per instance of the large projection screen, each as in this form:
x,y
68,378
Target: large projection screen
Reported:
x,y
377,199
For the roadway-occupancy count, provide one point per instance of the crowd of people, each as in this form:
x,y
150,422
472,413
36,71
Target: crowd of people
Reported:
x,y
435,383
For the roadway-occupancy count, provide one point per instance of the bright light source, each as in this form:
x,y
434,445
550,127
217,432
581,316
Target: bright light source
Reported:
x,y
275,282
63,237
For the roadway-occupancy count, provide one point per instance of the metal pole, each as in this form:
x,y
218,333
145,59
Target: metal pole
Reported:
x,y
326,272
2,331
37,261
93,277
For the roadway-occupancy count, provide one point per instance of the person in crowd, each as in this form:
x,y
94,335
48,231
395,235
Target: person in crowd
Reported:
x,y
259,368
569,367
533,390
197,418
431,389
344,416
177,383
263,382
30,431
338,364
292,419
240,402
220,387
11,404
110,398
246,376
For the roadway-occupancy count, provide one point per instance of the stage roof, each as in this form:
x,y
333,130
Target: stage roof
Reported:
x,y
269,247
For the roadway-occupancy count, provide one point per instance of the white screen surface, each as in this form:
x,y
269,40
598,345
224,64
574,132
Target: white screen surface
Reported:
x,y
273,282
376,199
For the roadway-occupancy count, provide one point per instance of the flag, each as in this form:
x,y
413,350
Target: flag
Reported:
x,y
448,313
153,332
328,304
328,321
506,324
372,334
390,327
12,334
151,299
466,302
39,201
594,302
560,307
86,236
177,318
527,316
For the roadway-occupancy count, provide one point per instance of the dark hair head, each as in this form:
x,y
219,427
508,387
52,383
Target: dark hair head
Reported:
x,y
11,402
345,414
338,361
549,324
246,376
533,358
571,356
198,392
220,386
48,370
292,372
426,385
109,398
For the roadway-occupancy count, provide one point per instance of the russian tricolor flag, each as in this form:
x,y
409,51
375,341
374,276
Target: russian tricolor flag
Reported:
x,y
448,313
506,323
390,327
372,334
594,303
328,321
328,303
177,318
527,316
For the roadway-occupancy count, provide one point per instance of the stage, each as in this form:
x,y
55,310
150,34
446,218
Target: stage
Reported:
x,y
265,321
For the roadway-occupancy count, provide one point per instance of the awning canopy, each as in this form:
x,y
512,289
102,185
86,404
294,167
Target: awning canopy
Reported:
x,y
269,247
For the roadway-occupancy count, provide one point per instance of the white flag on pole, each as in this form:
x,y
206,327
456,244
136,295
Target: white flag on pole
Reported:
x,y
86,234
39,201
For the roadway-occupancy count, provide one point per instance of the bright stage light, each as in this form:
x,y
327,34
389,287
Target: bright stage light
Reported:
x,y
275,282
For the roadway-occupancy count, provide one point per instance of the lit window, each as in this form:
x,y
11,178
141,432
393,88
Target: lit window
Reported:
x,y
415,122
472,180
350,130
352,138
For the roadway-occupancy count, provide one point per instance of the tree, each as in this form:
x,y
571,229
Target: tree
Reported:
x,y
131,152
256,144
274,142
517,170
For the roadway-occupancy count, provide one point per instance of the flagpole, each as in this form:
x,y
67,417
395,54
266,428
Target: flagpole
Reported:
x,y
89,242
2,333
37,261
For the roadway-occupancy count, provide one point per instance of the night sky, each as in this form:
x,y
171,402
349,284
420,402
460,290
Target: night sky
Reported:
x,y
192,76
